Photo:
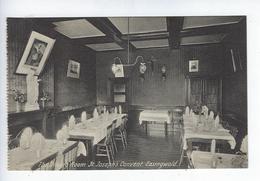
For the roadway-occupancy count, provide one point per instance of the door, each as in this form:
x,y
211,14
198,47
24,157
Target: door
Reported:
x,y
204,91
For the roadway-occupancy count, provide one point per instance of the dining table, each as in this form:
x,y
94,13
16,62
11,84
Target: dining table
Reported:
x,y
157,116
23,159
201,159
94,130
202,129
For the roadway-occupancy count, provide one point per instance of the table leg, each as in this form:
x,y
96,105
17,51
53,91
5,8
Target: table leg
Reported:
x,y
166,128
146,129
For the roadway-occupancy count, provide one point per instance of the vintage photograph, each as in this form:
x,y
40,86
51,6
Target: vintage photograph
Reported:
x,y
145,93
193,66
73,69
35,54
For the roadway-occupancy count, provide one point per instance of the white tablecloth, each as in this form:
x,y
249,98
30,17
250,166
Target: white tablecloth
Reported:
x,y
95,129
202,159
217,135
190,132
23,159
155,116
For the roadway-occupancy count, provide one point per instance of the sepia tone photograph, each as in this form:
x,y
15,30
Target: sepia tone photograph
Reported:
x,y
120,93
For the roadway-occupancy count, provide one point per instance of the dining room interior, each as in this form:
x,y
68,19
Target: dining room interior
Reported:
x,y
90,93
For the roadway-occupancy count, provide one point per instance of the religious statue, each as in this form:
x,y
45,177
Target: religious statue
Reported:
x,y
32,92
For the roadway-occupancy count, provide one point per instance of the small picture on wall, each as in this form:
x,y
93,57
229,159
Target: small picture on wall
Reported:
x,y
193,65
73,69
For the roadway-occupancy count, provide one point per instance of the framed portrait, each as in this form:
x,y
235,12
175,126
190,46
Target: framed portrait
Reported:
x,y
35,54
73,69
193,65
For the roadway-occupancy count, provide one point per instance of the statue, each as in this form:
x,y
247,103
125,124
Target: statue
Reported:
x,y
32,91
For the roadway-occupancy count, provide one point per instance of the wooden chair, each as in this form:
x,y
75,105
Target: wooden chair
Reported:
x,y
104,149
121,134
177,116
47,163
112,136
69,156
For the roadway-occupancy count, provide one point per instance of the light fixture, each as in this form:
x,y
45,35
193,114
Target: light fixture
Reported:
x,y
118,65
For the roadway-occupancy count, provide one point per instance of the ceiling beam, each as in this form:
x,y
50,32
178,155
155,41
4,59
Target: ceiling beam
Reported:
x,y
146,36
93,40
207,30
108,28
174,27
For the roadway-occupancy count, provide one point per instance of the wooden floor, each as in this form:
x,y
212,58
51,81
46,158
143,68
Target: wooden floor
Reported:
x,y
154,150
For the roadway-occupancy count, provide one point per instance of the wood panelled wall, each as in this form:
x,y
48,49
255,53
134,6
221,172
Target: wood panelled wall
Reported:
x,y
18,33
70,91
153,91
63,91
235,83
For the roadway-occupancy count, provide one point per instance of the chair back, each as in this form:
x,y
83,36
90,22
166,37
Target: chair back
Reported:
x,y
69,156
47,163
113,127
109,132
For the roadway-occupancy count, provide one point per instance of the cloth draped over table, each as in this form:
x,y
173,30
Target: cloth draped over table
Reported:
x,y
62,136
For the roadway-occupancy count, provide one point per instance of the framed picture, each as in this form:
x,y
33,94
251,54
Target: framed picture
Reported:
x,y
73,69
35,54
193,65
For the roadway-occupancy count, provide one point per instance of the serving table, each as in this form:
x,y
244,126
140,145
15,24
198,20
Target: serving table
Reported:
x,y
158,116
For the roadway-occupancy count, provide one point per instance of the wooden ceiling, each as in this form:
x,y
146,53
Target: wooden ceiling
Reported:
x,y
106,34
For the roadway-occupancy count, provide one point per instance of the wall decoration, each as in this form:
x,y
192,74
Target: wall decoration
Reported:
x,y
35,54
193,65
142,69
73,69
163,69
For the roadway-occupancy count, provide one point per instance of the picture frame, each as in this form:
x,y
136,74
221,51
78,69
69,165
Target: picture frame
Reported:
x,y
193,65
73,69
35,54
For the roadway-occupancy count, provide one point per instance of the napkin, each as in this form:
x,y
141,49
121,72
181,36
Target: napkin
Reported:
x,y
244,145
120,109
59,136
72,122
187,111
211,115
217,121
191,113
25,139
38,141
83,116
95,113
81,149
116,110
